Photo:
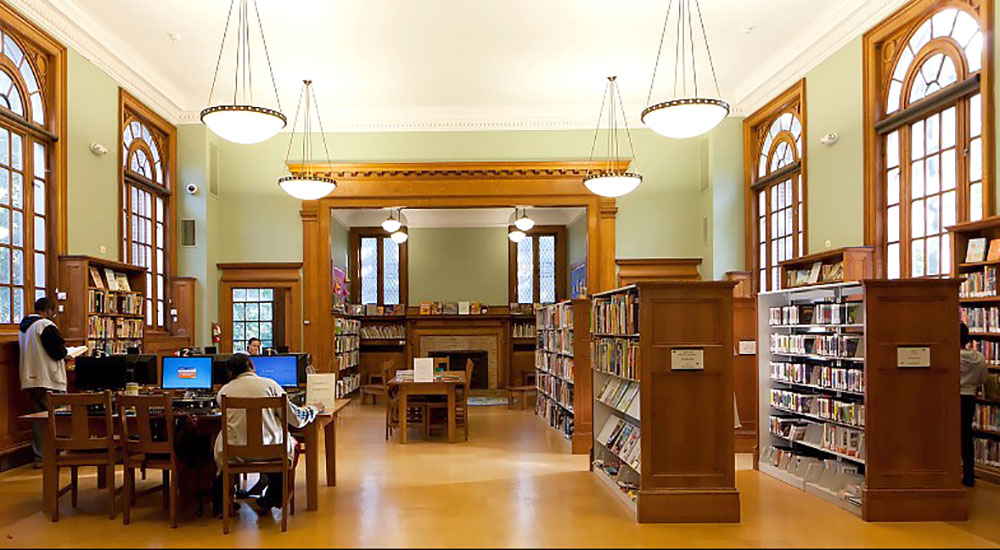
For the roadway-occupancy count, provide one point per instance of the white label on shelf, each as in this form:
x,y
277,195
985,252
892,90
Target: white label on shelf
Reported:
x,y
748,347
913,356
687,359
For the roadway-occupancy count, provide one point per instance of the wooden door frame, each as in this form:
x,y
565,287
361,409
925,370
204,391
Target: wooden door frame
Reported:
x,y
285,276
446,185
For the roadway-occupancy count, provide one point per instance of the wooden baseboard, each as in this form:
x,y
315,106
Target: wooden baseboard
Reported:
x,y
16,456
745,441
689,506
915,505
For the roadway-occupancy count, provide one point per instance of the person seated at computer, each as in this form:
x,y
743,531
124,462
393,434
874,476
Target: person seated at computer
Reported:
x,y
43,364
253,346
245,383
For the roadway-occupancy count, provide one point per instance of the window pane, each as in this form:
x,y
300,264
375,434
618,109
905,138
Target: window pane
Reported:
x,y
917,219
917,139
892,187
976,160
390,272
547,269
17,190
5,305
975,201
933,259
933,215
266,311
892,150
239,312
239,294
17,265
253,311
949,212
933,183
253,294
18,305
39,233
948,128
948,174
266,330
932,131
917,258
253,330
5,266
40,270
369,270
892,224
945,255
893,261
917,179
239,331
525,271
976,115
267,294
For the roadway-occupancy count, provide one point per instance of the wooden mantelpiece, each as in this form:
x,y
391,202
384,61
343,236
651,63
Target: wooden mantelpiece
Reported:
x,y
657,270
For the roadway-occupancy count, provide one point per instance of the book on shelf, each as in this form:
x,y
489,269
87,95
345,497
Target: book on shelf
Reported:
x,y
450,308
463,308
976,252
994,250
122,280
425,308
815,272
95,277
112,279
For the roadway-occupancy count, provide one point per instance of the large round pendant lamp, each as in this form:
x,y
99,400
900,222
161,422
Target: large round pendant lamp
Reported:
x,y
307,185
612,181
243,121
690,112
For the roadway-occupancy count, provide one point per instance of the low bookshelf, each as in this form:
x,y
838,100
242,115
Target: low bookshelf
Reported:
x,y
858,396
562,371
105,305
346,354
839,265
663,351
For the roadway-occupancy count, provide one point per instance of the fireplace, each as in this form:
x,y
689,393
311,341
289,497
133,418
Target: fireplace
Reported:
x,y
454,343
480,365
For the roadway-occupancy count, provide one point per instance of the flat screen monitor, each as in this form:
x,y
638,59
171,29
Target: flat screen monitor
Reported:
x,y
142,369
187,373
220,370
101,373
283,369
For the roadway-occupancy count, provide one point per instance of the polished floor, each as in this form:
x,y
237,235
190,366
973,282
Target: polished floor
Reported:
x,y
511,485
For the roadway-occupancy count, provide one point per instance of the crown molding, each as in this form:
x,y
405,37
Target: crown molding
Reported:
x,y
858,17
77,30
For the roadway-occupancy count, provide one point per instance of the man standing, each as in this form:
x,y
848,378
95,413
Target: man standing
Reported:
x,y
42,363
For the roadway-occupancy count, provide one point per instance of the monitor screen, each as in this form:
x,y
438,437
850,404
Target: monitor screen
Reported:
x,y
187,373
283,369
142,369
100,373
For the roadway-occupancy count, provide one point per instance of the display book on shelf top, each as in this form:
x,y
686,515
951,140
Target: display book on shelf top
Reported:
x,y
562,375
346,354
822,384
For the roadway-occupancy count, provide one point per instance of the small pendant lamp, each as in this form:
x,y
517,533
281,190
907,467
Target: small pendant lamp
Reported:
x,y
307,185
612,183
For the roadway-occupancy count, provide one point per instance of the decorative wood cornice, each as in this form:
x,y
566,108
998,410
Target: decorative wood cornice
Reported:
x,y
451,170
635,270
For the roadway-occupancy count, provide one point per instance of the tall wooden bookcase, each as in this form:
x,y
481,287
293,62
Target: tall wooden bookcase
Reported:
x,y
675,341
859,396
112,320
562,371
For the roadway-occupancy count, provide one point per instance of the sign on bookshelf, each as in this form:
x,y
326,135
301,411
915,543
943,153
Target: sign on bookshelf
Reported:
x,y
913,356
687,359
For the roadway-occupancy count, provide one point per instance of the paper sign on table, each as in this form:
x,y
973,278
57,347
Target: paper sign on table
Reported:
x,y
320,389
423,369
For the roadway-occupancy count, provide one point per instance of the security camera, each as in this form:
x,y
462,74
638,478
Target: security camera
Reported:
x,y
98,149
191,189
829,139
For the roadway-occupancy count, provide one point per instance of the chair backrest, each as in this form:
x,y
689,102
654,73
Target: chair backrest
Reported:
x,y
469,364
143,440
80,436
441,363
255,448
388,372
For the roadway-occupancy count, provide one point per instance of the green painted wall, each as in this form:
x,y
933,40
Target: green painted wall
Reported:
x,y
92,188
456,264
725,177
340,238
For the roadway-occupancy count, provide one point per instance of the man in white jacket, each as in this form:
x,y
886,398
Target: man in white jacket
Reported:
x,y
42,363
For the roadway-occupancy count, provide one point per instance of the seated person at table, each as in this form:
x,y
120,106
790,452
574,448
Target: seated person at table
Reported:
x,y
244,382
253,346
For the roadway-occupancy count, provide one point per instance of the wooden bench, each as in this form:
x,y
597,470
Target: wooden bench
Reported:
x,y
519,394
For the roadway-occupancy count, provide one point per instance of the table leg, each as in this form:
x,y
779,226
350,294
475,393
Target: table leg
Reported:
x,y
312,466
330,444
402,414
50,482
451,413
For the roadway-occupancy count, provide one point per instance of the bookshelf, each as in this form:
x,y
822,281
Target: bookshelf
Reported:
x,y
839,265
346,354
664,351
979,300
858,396
562,371
102,315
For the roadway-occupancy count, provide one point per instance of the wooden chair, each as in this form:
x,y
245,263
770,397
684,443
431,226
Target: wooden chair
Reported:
x,y
461,403
377,383
442,364
143,449
255,456
83,447
416,410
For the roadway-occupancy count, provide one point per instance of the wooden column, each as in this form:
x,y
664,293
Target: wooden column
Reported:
x,y
606,237
317,280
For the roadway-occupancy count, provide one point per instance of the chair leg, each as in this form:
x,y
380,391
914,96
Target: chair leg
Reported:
x,y
111,490
174,494
55,497
127,498
227,489
74,484
166,488
284,501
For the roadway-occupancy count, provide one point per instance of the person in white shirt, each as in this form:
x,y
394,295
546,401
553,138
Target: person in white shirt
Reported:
x,y
972,368
244,382
42,364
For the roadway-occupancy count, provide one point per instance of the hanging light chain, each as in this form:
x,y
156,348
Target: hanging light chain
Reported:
x,y
704,35
685,50
295,121
267,55
659,50
243,72
597,129
222,46
634,167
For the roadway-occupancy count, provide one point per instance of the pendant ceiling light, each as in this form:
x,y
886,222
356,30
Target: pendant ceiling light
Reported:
x,y
521,221
308,184
611,182
516,235
685,115
243,121
395,221
400,235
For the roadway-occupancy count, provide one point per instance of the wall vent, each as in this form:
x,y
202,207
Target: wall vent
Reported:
x,y
188,233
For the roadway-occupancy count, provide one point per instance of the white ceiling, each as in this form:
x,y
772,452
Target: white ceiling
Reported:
x,y
455,217
450,64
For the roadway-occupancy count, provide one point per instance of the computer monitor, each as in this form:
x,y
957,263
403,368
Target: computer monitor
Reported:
x,y
101,373
187,373
220,370
211,350
142,369
283,369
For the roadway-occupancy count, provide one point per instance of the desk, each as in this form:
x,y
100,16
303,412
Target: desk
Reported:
x,y
311,433
443,384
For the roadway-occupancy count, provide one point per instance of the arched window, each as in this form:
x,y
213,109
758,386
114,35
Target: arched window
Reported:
x,y
776,186
926,170
146,210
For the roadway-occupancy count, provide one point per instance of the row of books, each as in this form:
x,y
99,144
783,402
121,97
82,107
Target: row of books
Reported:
x,y
819,406
100,301
108,327
555,415
621,395
990,349
616,356
452,308
981,319
987,452
522,330
821,376
346,360
346,343
831,437
987,418
817,273
375,310
816,314
555,316
112,347
621,438
979,284
394,331
556,340
559,365
615,314
347,384
343,325
555,388
976,251
827,345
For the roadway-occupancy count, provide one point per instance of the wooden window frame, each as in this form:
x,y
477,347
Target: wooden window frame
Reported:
x,y
285,276
354,264
881,46
557,231
131,109
755,127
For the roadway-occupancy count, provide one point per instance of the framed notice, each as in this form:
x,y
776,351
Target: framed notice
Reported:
x,y
747,347
687,359
913,357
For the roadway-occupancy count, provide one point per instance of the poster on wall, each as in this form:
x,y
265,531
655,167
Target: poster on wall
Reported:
x,y
578,280
339,281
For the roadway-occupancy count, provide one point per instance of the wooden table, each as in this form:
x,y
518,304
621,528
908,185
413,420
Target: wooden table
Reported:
x,y
324,422
443,384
